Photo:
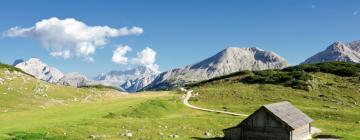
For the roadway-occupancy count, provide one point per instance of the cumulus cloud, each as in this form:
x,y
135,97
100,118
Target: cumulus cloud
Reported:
x,y
146,57
69,37
119,54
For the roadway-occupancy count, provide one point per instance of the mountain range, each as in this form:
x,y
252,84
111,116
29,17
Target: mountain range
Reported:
x,y
130,80
227,61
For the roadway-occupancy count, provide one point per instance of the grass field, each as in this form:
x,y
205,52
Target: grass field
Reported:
x,y
31,109
146,116
333,103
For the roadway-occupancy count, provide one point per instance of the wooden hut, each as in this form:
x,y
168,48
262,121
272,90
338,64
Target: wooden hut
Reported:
x,y
277,121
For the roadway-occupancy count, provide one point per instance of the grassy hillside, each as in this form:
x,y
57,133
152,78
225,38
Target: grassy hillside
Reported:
x,y
20,91
332,99
155,116
31,109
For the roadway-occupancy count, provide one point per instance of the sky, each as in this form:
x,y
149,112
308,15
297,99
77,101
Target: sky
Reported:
x,y
96,36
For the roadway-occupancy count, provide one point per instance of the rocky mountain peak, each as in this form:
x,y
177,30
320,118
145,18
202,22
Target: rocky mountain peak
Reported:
x,y
40,70
338,51
227,61
76,79
130,80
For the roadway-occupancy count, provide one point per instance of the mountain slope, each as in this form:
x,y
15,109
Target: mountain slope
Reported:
x,y
338,51
40,70
75,79
131,80
333,101
225,62
20,91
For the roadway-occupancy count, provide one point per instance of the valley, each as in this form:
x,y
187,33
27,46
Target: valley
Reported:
x,y
179,70
65,112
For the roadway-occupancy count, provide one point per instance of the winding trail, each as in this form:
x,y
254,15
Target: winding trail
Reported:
x,y
186,102
188,95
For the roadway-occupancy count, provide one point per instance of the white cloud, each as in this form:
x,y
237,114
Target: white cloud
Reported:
x,y
146,57
69,37
119,54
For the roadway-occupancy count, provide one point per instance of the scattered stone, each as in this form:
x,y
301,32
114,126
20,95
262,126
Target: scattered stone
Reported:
x,y
128,134
92,137
7,72
207,134
174,136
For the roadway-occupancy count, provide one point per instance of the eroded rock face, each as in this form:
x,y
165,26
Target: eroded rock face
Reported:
x,y
40,70
75,79
338,51
130,80
225,62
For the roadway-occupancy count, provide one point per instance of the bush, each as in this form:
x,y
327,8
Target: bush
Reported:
x,y
295,79
337,68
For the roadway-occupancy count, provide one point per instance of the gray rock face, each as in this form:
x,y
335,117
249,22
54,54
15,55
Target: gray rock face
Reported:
x,y
40,70
133,85
129,80
338,51
225,62
75,79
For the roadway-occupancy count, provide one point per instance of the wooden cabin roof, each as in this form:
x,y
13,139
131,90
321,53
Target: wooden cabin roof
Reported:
x,y
289,114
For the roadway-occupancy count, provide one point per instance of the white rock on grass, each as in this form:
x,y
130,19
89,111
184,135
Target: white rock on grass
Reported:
x,y
7,72
174,136
128,134
92,137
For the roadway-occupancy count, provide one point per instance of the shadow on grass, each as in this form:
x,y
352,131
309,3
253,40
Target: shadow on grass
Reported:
x,y
215,138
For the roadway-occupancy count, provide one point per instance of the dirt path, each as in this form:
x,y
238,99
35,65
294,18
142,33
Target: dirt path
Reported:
x,y
188,95
186,102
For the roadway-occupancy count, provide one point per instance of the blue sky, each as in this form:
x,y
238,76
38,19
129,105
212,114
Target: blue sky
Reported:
x,y
186,31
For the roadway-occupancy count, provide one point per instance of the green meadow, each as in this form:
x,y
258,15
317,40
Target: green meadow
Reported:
x,y
31,109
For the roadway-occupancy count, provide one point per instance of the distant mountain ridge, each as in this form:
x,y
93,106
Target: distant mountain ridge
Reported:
x,y
75,79
338,51
40,70
225,62
130,80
